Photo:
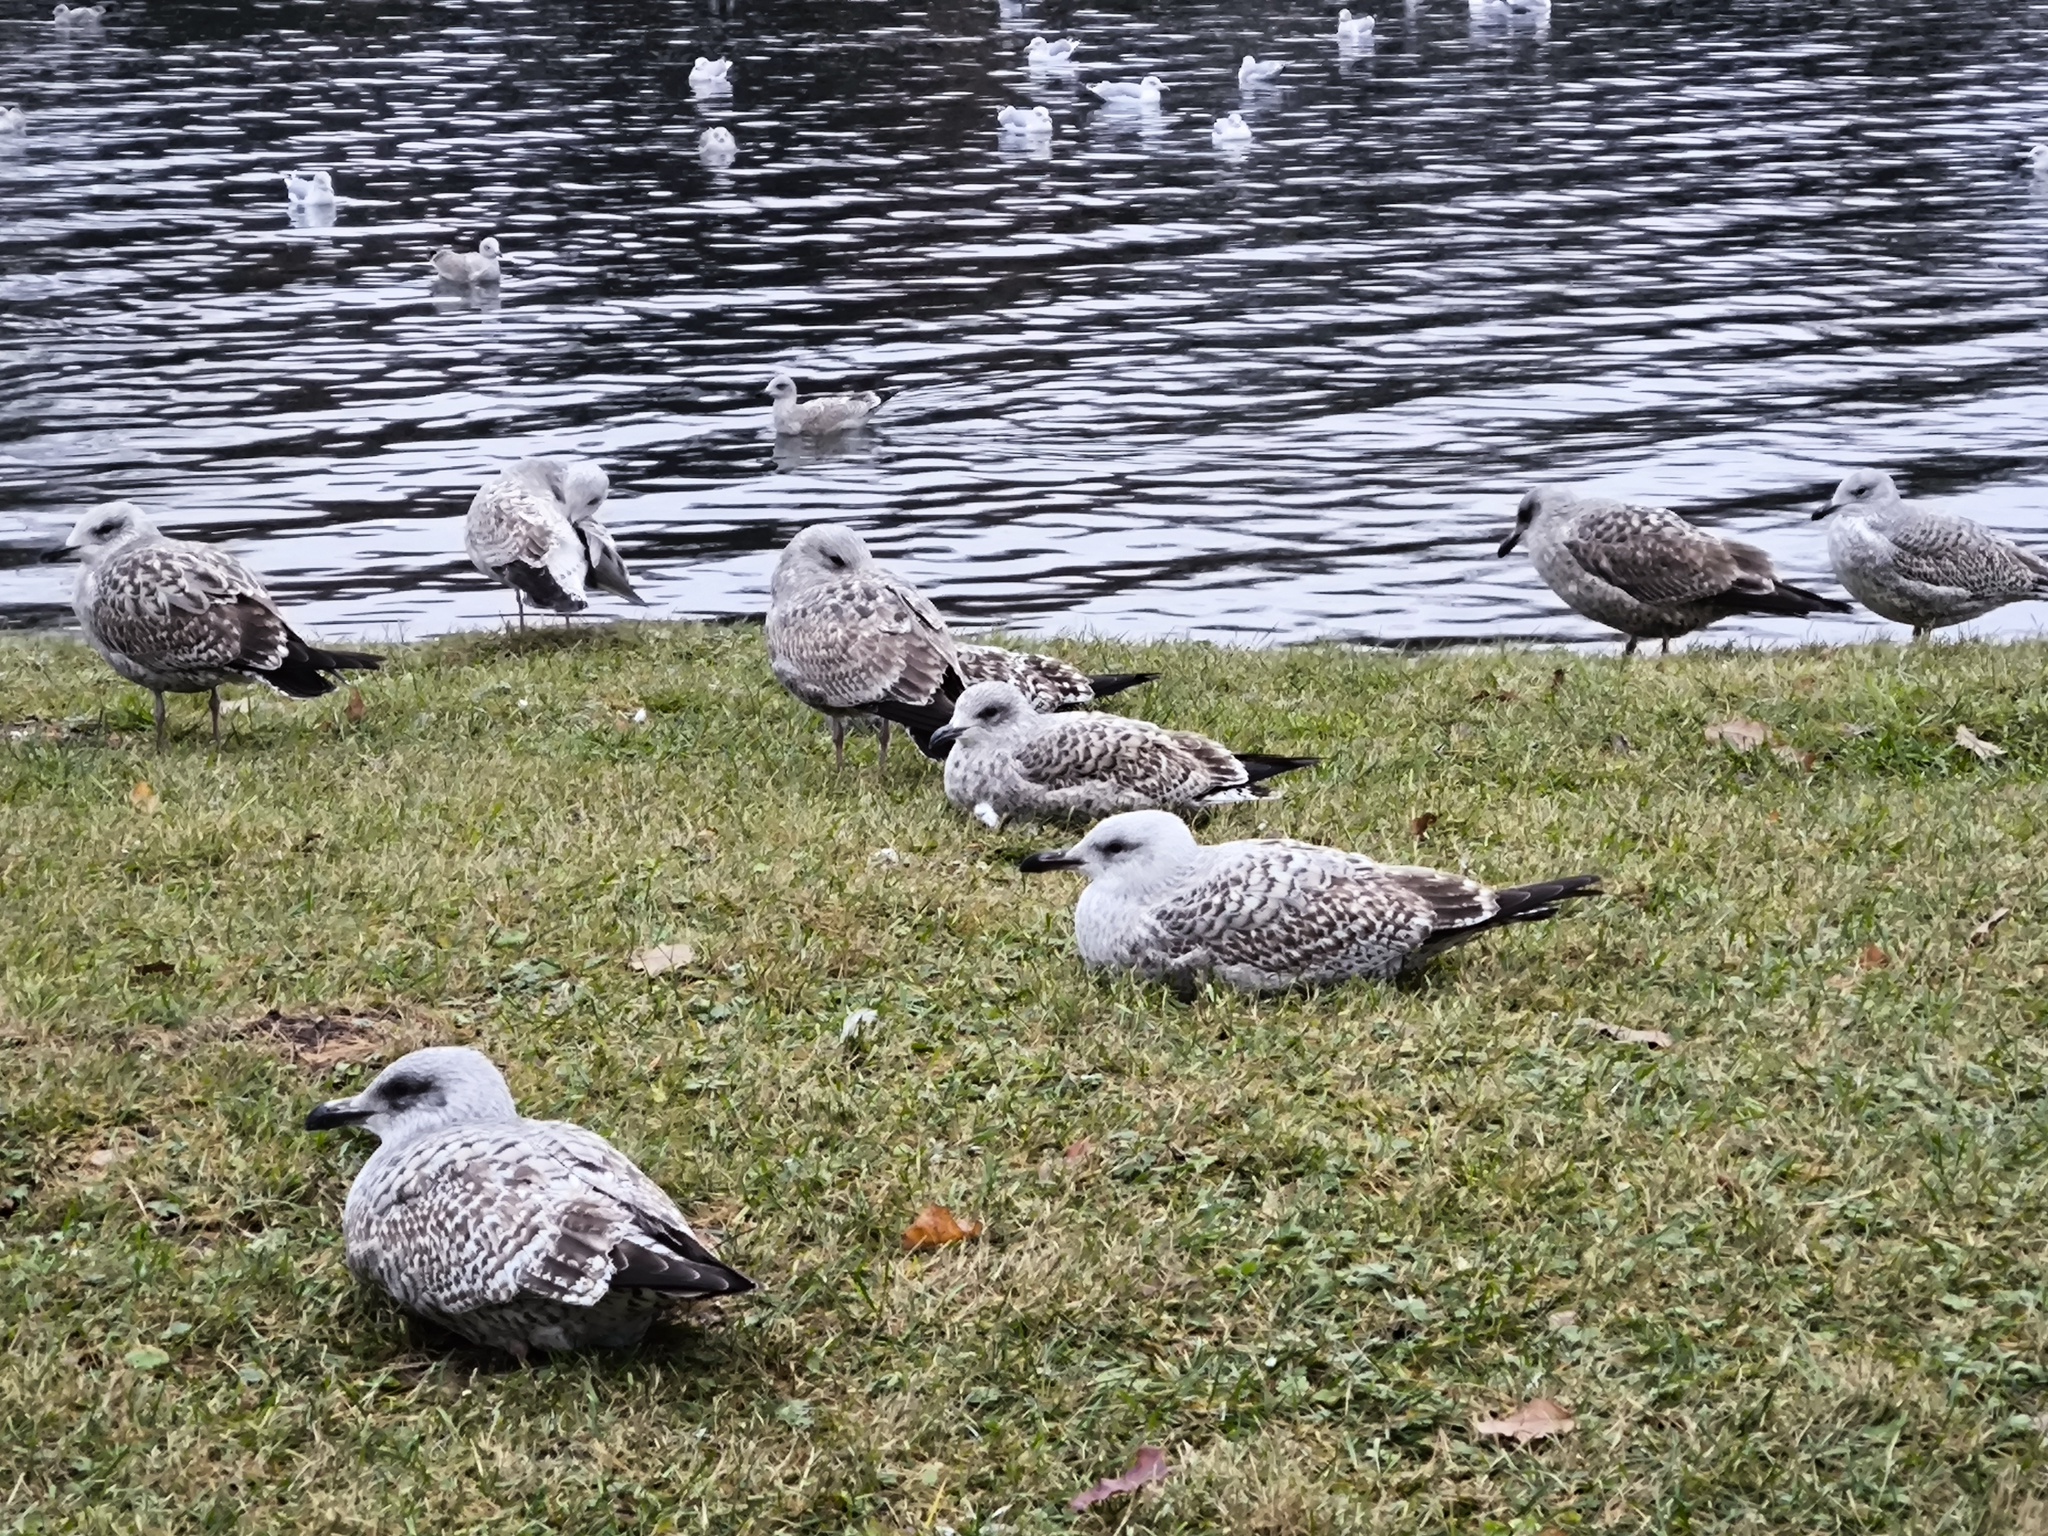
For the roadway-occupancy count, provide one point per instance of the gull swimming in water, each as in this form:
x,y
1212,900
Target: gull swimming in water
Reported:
x,y
711,74
1353,30
13,120
821,415
1033,123
1918,566
717,145
78,15
1646,571
1124,93
1004,759
1268,914
177,617
314,189
535,529
1059,54
471,271
520,1235
1231,130
1251,72
2037,158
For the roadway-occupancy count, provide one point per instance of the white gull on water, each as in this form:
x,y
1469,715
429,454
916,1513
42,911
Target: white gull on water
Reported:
x,y
1268,914
1127,93
821,415
1232,129
1252,72
520,1235
478,270
535,529
316,188
1032,122
186,618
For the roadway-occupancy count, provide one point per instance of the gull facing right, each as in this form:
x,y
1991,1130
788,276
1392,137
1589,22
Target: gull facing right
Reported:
x,y
535,529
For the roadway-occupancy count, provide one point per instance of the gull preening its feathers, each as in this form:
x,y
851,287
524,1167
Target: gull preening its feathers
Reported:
x,y
1126,93
316,188
479,270
1005,759
1646,571
1353,30
821,415
535,529
711,74
1268,914
1232,129
185,618
1920,567
1032,122
1251,72
78,15
717,144
1059,54
520,1235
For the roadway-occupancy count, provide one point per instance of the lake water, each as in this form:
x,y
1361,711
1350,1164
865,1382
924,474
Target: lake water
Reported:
x,y
1705,252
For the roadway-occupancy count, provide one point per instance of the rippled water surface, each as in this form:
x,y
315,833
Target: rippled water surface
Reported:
x,y
1705,253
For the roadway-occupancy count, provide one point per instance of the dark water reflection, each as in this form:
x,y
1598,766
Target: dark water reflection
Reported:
x,y
1706,253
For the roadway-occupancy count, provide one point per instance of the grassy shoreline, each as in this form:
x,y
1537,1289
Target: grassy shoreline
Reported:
x,y
1788,1274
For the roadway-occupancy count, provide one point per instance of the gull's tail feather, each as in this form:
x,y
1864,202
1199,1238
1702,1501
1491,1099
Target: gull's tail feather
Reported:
x,y
308,672
1116,682
538,586
1261,766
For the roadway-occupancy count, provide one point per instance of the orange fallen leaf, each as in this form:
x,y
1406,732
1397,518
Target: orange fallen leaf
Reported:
x,y
1739,735
144,799
356,707
1538,1420
936,1227
1148,1466
1420,825
1873,959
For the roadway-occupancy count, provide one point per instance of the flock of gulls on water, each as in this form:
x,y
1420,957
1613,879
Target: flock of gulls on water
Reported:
x,y
527,1235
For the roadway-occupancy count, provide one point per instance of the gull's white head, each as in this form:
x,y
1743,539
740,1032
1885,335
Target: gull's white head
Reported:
x,y
1542,499
989,711
782,387
717,141
426,1091
584,488
1151,83
820,553
1862,490
488,246
1136,853
107,527
2037,156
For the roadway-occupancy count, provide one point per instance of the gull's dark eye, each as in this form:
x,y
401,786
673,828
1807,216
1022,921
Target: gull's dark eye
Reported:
x,y
836,560
400,1091
107,530
993,712
1112,849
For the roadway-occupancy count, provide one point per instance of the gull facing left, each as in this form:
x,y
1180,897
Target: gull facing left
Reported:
x,y
535,529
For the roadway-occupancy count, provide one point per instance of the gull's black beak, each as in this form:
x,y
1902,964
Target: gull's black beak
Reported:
x,y
1507,545
335,1114
52,556
1823,512
940,740
1040,863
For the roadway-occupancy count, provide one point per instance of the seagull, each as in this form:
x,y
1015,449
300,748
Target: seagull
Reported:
x,y
13,120
717,144
2037,158
821,415
1123,93
1920,567
78,15
1040,54
470,271
1004,759
177,617
1252,73
1646,571
1231,130
711,74
1049,683
1268,914
520,1235
1035,123
535,529
314,189
1353,30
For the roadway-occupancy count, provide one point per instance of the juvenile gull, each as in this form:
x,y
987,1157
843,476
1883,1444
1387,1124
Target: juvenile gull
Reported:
x,y
472,271
821,415
1058,54
1646,571
185,618
1231,130
1032,122
1921,567
535,529
1251,72
316,188
1353,30
518,1234
1005,759
1049,683
1144,93
1269,914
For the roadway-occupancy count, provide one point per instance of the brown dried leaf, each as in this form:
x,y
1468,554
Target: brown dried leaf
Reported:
x,y
144,799
1981,934
1873,959
1739,735
1970,741
1148,1466
935,1227
1421,824
1079,1153
1556,679
1792,757
152,968
663,957
356,707
1654,1038
1538,1420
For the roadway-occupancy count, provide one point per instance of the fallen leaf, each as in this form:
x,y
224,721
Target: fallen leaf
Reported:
x,y
935,1227
152,968
851,1026
885,856
104,1158
1538,1420
1739,735
144,799
1970,741
1655,1038
1078,1153
1420,825
1563,1319
1148,1466
1981,934
236,706
1873,959
663,957
1792,757
146,1358
1858,730
356,707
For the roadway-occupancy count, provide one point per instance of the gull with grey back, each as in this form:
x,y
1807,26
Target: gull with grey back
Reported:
x,y
1921,567
1004,759
821,415
1269,914
185,618
520,1235
535,529
1646,571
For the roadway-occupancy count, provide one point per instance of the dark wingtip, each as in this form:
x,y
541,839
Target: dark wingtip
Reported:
x,y
1260,766
1116,682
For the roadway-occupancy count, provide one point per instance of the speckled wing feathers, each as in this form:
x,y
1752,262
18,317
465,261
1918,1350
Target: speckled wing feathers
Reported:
x,y
1049,683
1160,766
184,611
845,645
1945,551
1655,556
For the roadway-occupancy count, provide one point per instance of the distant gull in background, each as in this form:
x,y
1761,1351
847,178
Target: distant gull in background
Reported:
x,y
717,145
535,529
1040,54
1034,122
1231,130
13,120
471,271
711,74
2037,158
78,15
312,190
185,618
1251,72
1143,93
1004,759
821,415
1920,567
520,1235
1353,30
1646,571
1268,914
1511,10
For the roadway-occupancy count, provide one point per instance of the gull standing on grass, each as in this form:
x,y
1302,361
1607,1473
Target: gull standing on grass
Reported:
x,y
821,415
520,1235
470,271
185,618
535,529
1921,567
1004,759
1268,914
1646,571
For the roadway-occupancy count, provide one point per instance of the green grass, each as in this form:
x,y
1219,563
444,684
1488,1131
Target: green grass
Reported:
x,y
1301,1243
